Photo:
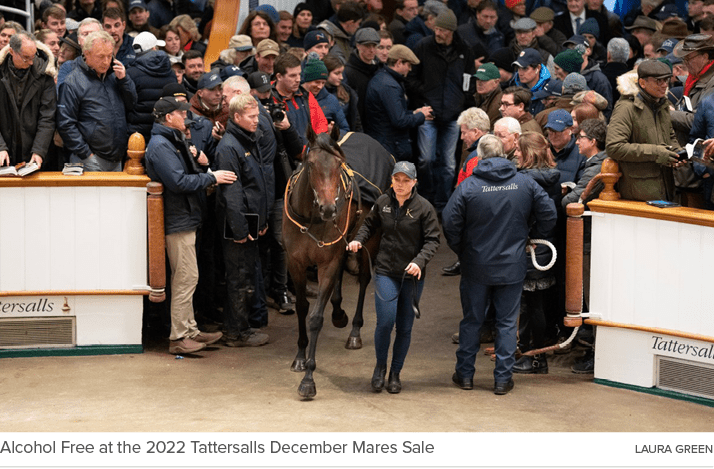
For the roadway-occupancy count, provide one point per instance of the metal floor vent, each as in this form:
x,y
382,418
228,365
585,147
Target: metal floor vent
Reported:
x,y
687,377
38,332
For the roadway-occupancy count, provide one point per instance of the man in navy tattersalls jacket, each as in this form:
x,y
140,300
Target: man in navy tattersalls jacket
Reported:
x,y
487,222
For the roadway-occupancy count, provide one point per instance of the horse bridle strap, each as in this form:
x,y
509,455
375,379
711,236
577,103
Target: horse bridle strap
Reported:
x,y
345,175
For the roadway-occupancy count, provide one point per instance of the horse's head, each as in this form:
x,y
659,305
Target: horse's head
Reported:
x,y
324,162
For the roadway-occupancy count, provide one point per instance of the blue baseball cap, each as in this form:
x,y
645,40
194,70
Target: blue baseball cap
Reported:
x,y
559,120
209,81
553,87
668,45
528,57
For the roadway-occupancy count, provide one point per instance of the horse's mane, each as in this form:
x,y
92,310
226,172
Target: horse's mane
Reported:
x,y
326,143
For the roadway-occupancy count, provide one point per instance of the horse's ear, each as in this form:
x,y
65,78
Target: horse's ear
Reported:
x,y
335,132
310,134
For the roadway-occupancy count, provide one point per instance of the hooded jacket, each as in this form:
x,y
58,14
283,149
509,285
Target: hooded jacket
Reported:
x,y
389,118
238,152
91,112
638,133
168,162
488,220
438,79
415,31
341,48
28,126
150,72
598,82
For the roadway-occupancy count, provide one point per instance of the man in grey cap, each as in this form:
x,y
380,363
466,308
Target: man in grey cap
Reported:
x,y
438,81
362,65
386,105
640,137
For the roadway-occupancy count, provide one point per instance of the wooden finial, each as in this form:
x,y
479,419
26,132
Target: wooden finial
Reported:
x,y
609,176
136,151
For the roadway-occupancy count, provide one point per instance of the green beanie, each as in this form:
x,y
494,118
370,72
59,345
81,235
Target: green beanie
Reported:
x,y
314,70
569,60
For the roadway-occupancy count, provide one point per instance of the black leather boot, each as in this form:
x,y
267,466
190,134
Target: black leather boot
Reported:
x,y
537,364
378,377
394,386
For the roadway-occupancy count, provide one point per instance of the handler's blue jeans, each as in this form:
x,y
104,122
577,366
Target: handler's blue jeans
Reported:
x,y
397,311
475,299
437,161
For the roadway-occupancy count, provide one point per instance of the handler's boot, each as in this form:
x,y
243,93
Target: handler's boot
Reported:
x,y
380,372
394,386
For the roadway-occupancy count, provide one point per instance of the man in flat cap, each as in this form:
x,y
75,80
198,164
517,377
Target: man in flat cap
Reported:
x,y
386,104
646,156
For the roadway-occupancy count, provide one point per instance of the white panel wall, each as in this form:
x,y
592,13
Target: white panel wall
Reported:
x,y
72,238
652,273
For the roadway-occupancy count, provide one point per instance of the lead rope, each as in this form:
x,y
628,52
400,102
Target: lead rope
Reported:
x,y
531,249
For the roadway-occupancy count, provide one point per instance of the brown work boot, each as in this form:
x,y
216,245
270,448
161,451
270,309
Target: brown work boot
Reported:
x,y
208,338
185,345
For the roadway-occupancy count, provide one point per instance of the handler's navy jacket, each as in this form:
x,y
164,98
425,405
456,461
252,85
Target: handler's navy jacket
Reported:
x,y
486,221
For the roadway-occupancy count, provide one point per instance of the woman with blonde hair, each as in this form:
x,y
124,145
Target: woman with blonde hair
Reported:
x,y
258,26
536,160
188,33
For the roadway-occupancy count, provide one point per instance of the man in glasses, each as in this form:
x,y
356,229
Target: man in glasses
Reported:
x,y
27,101
641,138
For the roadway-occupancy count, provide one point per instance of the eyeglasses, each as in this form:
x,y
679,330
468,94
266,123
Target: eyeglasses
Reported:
x,y
691,56
660,81
581,136
26,60
505,104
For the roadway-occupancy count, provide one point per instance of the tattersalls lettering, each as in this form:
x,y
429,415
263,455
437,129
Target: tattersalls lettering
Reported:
x,y
682,348
42,305
508,187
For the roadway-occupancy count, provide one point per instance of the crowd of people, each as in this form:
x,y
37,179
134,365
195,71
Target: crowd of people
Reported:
x,y
503,112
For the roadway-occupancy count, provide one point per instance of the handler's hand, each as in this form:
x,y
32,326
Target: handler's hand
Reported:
x,y
354,246
413,269
4,158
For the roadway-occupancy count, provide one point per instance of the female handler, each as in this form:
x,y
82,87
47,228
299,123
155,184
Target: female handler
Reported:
x,y
410,238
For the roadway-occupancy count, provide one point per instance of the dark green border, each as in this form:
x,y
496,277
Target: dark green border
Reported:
x,y
73,351
658,392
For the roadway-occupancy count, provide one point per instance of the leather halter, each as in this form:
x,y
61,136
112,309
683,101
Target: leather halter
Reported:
x,y
349,186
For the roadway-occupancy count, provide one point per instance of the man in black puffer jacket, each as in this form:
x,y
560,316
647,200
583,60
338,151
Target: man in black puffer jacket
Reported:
x,y
151,71
439,81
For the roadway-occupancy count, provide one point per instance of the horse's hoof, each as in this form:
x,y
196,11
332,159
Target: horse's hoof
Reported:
x,y
298,365
353,343
340,321
307,390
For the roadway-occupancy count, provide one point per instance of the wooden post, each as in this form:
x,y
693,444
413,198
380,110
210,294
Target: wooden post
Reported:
x,y
157,242
609,175
136,151
574,266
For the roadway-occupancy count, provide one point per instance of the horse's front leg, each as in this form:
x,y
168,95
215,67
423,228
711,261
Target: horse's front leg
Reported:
x,y
326,277
301,307
339,317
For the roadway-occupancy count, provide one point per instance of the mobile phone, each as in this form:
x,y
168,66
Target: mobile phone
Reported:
x,y
662,203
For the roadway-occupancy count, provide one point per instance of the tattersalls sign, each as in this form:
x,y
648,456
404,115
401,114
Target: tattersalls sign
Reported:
x,y
682,348
33,306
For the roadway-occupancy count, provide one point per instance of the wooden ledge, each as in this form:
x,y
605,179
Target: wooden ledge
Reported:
x,y
631,208
655,330
73,292
89,179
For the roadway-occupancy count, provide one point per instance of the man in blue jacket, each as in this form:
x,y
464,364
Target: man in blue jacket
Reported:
x,y
92,106
486,223
386,103
170,162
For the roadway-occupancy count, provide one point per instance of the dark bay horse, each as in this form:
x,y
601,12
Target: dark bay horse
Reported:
x,y
323,209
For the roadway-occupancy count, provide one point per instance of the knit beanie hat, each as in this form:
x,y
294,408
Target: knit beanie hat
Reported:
x,y
511,3
446,20
590,26
313,38
569,60
314,70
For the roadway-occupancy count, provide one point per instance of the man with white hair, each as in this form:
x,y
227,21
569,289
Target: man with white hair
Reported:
x,y
508,130
618,52
92,106
473,124
486,223
27,101
86,27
